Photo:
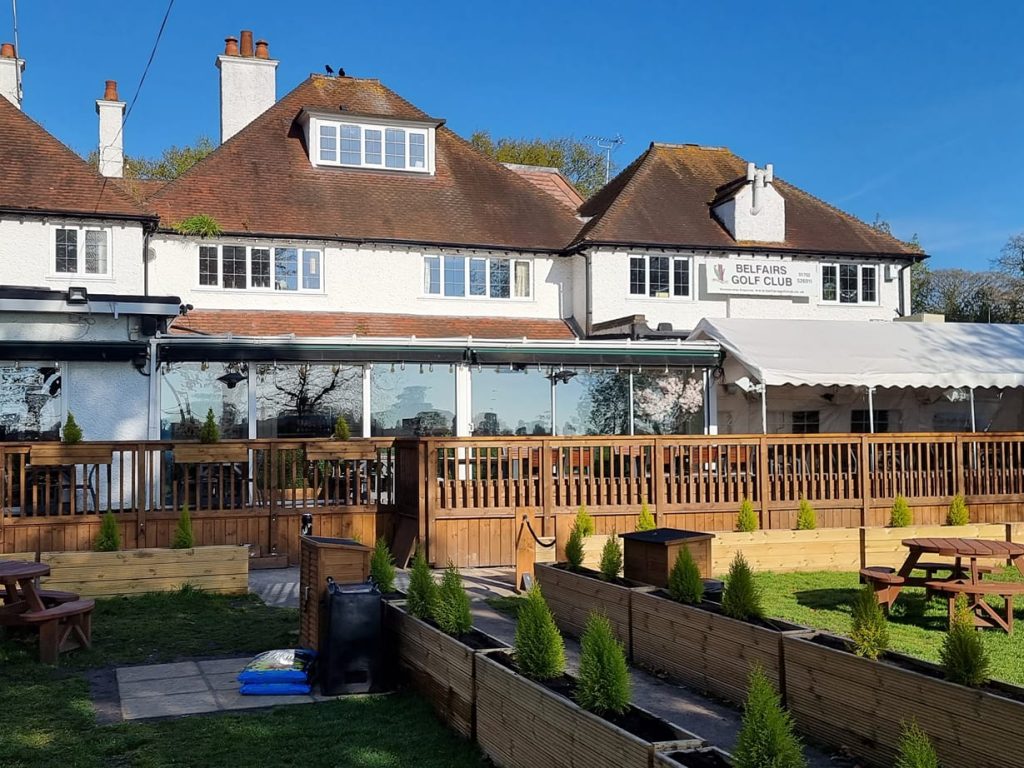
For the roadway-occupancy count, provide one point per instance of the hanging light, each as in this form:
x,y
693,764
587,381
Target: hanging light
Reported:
x,y
431,367
392,367
402,364
421,367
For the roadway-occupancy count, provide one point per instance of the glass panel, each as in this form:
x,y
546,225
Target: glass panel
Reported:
x,y
95,252
67,250
847,283
208,265
659,276
507,402
394,148
522,279
681,277
189,390
593,404
868,292
477,277
305,400
286,269
806,422
859,421
328,144
417,150
372,146
454,276
410,403
260,258
29,402
500,275
351,145
432,275
234,267
637,276
668,404
311,270
829,290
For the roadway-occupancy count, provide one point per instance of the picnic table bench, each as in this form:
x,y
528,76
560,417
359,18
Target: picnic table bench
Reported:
x,y
985,615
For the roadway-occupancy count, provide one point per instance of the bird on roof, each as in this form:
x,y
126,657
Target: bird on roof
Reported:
x,y
341,72
329,69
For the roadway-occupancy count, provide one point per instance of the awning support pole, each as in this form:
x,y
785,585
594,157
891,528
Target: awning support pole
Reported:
x,y
554,421
631,430
974,422
764,409
871,410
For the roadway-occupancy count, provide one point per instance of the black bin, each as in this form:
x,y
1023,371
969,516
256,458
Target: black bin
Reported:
x,y
350,649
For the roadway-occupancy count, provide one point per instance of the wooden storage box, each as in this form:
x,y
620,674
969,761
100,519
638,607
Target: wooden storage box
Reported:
x,y
344,560
648,556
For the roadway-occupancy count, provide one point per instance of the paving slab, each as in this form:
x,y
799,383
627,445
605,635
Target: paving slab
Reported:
x,y
226,681
229,700
136,689
168,706
157,671
221,666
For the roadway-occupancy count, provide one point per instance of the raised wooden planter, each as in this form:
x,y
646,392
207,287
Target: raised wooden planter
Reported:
x,y
340,450
573,595
702,647
442,668
63,454
211,453
522,724
702,757
223,569
840,699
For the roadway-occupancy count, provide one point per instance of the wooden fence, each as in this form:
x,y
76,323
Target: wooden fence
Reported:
x,y
466,496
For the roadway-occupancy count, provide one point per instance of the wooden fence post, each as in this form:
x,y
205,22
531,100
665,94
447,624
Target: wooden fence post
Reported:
x,y
658,471
865,479
547,488
428,462
764,482
139,495
526,550
275,500
5,502
958,444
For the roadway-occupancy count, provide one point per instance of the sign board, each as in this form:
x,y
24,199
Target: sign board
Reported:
x,y
762,277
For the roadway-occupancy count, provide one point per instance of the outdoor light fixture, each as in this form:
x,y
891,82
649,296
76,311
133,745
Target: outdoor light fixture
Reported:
x,y
561,377
392,367
184,309
421,367
77,295
231,379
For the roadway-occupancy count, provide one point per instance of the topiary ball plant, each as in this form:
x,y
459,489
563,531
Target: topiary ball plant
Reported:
x,y
109,537
746,520
382,566
603,685
451,608
870,631
183,535
209,432
964,657
574,549
539,648
766,738
422,593
806,517
958,514
741,598
916,750
645,522
611,558
684,582
72,433
341,429
584,522
900,516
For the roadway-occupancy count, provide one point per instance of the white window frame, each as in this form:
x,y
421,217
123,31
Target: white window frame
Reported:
x,y
80,272
646,295
272,289
427,132
860,302
512,260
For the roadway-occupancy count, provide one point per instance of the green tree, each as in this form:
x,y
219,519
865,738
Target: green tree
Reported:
x,y
916,750
766,738
746,520
584,522
964,657
382,566
806,517
645,522
451,609
684,582
741,598
109,537
603,684
611,558
870,631
581,163
959,513
422,593
172,162
540,650
901,516
209,432
183,535
72,433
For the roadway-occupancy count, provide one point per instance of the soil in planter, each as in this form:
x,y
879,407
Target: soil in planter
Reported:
x,y
927,668
776,625
635,721
598,576
700,759
475,639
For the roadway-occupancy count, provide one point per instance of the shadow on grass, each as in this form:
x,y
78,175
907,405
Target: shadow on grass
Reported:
x,y
911,609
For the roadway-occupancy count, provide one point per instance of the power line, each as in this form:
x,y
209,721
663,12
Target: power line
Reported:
x,y
142,80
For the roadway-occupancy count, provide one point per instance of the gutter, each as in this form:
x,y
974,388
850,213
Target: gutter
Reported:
x,y
142,217
579,247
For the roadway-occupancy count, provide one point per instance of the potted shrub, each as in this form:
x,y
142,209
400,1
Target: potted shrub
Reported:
x,y
746,520
382,569
709,646
529,711
210,450
183,535
645,522
70,450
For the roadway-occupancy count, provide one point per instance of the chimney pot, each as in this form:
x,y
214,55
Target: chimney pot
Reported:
x,y
231,46
262,49
110,93
246,47
7,51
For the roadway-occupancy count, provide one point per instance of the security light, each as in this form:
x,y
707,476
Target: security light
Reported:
x,y
232,379
77,295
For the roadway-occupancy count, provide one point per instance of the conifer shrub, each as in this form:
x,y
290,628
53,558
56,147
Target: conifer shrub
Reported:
x,y
109,537
900,516
539,648
959,513
209,432
741,598
574,549
870,631
72,433
806,517
382,566
584,522
964,657
646,520
746,520
341,429
422,593
684,582
611,558
915,750
603,685
451,608
766,738
183,535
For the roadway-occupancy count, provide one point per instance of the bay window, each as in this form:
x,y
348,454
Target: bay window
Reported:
x,y
849,284
476,277
659,277
241,267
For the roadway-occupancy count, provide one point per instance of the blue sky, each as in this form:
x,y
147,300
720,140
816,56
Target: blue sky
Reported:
x,y
910,110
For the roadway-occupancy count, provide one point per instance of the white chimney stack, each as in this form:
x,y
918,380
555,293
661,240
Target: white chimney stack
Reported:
x,y
111,112
754,211
11,68
248,83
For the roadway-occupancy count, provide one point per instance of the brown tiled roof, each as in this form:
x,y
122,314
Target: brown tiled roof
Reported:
x,y
141,189
39,173
664,198
551,181
327,324
261,182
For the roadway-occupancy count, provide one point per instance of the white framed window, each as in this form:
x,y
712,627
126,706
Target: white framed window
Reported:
x,y
81,251
477,277
358,145
849,284
261,268
660,277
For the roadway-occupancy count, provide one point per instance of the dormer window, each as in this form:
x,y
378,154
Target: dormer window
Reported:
x,y
382,144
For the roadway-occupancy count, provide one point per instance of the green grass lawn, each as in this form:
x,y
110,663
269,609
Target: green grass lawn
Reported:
x,y
822,600
48,718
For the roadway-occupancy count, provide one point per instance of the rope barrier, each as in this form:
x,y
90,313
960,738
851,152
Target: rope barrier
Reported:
x,y
529,527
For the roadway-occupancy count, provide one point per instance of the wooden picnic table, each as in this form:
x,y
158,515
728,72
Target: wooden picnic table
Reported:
x,y
19,580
